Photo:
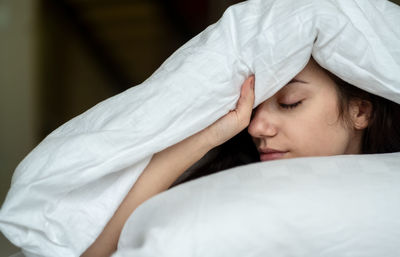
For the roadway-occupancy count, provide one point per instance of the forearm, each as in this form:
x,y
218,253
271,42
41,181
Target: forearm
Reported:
x,y
164,168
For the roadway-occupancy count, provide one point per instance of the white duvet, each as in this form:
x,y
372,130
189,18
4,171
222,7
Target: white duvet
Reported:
x,y
66,189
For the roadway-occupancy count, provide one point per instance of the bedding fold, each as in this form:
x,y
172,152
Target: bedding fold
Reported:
x,y
65,191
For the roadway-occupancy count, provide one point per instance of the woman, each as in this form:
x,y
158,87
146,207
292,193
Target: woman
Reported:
x,y
315,114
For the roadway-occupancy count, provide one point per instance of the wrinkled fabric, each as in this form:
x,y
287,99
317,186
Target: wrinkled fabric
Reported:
x,y
64,192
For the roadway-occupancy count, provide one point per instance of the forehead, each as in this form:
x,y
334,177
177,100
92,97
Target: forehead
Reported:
x,y
295,86
312,76
313,71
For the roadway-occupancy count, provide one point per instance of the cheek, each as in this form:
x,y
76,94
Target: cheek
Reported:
x,y
321,133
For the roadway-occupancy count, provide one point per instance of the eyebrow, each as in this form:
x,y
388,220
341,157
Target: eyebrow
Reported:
x,y
294,80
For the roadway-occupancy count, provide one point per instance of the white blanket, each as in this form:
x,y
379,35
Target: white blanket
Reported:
x,y
64,192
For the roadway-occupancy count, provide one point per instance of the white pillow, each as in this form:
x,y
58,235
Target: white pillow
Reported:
x,y
314,207
64,192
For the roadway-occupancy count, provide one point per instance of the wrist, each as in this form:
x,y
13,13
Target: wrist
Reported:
x,y
208,139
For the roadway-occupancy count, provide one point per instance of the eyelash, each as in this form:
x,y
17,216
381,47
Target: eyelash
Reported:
x,y
290,106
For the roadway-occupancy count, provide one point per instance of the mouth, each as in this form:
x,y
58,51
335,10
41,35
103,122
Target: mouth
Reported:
x,y
268,154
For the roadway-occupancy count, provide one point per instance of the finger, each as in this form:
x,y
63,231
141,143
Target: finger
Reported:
x,y
245,92
246,101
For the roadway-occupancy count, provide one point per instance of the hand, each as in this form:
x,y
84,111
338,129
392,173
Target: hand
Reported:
x,y
236,120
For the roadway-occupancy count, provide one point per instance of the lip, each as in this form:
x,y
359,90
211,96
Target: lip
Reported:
x,y
269,154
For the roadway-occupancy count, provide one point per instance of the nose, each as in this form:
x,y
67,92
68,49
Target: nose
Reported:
x,y
263,124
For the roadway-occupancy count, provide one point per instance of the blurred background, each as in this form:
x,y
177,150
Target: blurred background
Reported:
x,y
58,58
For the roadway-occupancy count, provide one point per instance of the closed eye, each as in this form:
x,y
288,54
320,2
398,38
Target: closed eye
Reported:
x,y
290,106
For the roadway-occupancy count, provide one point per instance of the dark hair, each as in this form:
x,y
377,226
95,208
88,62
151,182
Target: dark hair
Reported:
x,y
382,134
237,151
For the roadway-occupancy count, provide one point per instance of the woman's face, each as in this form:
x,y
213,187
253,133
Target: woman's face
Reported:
x,y
302,119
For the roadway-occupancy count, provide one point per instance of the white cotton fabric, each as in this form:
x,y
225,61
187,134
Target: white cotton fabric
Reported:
x,y
64,192
314,207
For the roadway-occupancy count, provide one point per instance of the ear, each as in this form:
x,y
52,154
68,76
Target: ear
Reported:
x,y
360,113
